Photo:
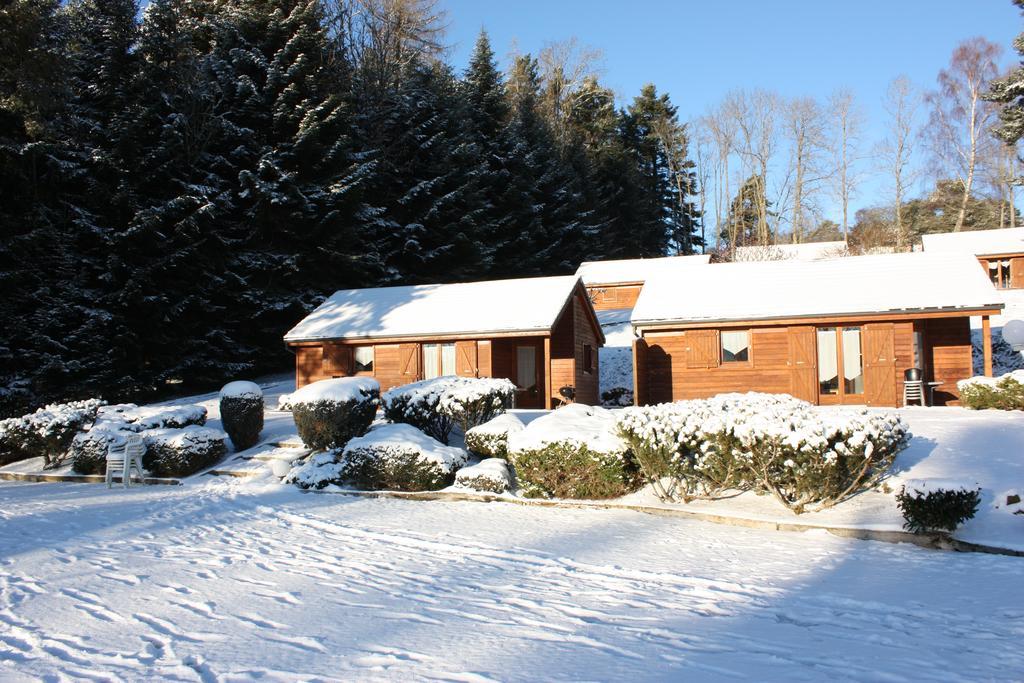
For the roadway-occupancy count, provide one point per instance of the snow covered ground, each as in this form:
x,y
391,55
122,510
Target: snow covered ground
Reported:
x,y
227,581
616,356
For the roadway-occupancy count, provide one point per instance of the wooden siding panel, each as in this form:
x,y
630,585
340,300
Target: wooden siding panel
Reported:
x,y
613,296
1017,272
948,348
308,365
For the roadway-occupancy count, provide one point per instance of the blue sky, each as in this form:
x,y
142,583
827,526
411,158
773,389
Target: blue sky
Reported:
x,y
698,51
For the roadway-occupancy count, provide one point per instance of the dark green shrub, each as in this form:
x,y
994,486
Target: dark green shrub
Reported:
x,y
1000,393
399,457
241,413
329,413
490,440
937,509
181,452
46,433
89,450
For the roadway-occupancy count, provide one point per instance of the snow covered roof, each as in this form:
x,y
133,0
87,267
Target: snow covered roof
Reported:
x,y
764,290
521,305
636,269
977,242
806,251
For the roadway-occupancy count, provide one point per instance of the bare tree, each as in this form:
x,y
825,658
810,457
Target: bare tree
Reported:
x,y
722,130
704,160
564,67
895,152
847,122
805,130
755,115
960,117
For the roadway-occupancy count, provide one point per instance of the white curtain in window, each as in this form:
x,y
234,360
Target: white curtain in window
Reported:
x,y
1004,264
431,368
993,265
828,355
735,344
526,367
853,367
364,358
447,359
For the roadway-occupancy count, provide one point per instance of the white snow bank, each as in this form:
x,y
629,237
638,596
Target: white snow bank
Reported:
x,y
926,486
506,423
575,424
981,380
134,418
340,389
451,392
241,389
401,438
190,437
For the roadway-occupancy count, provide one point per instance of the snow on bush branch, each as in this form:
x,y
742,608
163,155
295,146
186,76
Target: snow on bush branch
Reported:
x,y
436,405
809,458
47,432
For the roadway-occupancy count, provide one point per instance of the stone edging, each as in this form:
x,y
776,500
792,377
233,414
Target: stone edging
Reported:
x,y
80,478
932,541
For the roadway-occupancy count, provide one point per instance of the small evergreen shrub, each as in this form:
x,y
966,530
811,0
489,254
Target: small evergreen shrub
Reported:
x,y
928,509
573,452
241,413
46,433
999,393
89,450
617,397
806,457
436,406
491,475
180,452
316,471
331,412
399,457
490,440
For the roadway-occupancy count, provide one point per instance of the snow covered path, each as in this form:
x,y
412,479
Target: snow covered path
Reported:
x,y
228,581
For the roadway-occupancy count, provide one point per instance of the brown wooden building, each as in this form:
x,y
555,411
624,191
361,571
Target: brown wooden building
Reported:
x,y
1000,252
839,331
617,284
541,333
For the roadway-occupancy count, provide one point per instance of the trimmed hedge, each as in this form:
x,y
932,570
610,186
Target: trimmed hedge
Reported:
x,y
806,457
329,413
436,406
490,440
241,413
999,393
399,457
46,433
181,452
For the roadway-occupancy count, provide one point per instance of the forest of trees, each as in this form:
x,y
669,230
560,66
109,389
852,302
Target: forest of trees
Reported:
x,y
181,185
771,169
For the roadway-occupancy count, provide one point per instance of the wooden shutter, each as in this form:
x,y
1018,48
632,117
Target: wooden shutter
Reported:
x,y
466,359
880,364
702,349
409,362
483,359
803,363
337,361
1017,273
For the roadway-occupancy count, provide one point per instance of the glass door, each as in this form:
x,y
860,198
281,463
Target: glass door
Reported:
x,y
840,365
527,386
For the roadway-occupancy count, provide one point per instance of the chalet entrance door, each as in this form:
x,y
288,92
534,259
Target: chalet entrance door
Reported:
x,y
840,365
803,372
880,364
528,377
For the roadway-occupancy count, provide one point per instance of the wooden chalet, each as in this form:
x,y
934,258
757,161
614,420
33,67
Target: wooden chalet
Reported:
x,y
541,333
617,284
840,331
1000,252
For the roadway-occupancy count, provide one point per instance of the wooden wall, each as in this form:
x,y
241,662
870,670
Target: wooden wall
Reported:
x,y
948,352
685,364
607,297
573,331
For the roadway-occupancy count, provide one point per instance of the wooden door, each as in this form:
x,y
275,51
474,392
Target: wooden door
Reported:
x,y
528,378
880,364
803,366
409,362
466,363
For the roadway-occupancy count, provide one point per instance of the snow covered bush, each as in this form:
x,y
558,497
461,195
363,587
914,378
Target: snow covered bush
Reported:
x,y
172,452
805,456
1001,393
399,457
491,475
572,452
436,405
490,439
330,412
89,450
241,413
316,472
46,433
936,506
134,418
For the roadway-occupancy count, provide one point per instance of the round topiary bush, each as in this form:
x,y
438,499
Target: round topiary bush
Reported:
x,y
181,452
437,405
490,440
241,413
573,452
399,457
331,412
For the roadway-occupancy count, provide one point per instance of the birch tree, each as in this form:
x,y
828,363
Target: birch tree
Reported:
x,y
755,115
847,122
960,117
895,152
805,130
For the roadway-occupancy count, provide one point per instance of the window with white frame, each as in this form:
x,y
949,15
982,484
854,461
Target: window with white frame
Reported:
x,y
735,346
438,360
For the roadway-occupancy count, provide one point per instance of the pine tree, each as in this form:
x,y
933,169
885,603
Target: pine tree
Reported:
x,y
1009,91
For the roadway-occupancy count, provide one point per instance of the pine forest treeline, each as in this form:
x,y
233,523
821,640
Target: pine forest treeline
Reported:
x,y
181,185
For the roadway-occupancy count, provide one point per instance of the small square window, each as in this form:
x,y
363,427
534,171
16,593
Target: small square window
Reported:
x,y
363,359
735,346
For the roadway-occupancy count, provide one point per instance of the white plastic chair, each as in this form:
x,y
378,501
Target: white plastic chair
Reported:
x,y
122,456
